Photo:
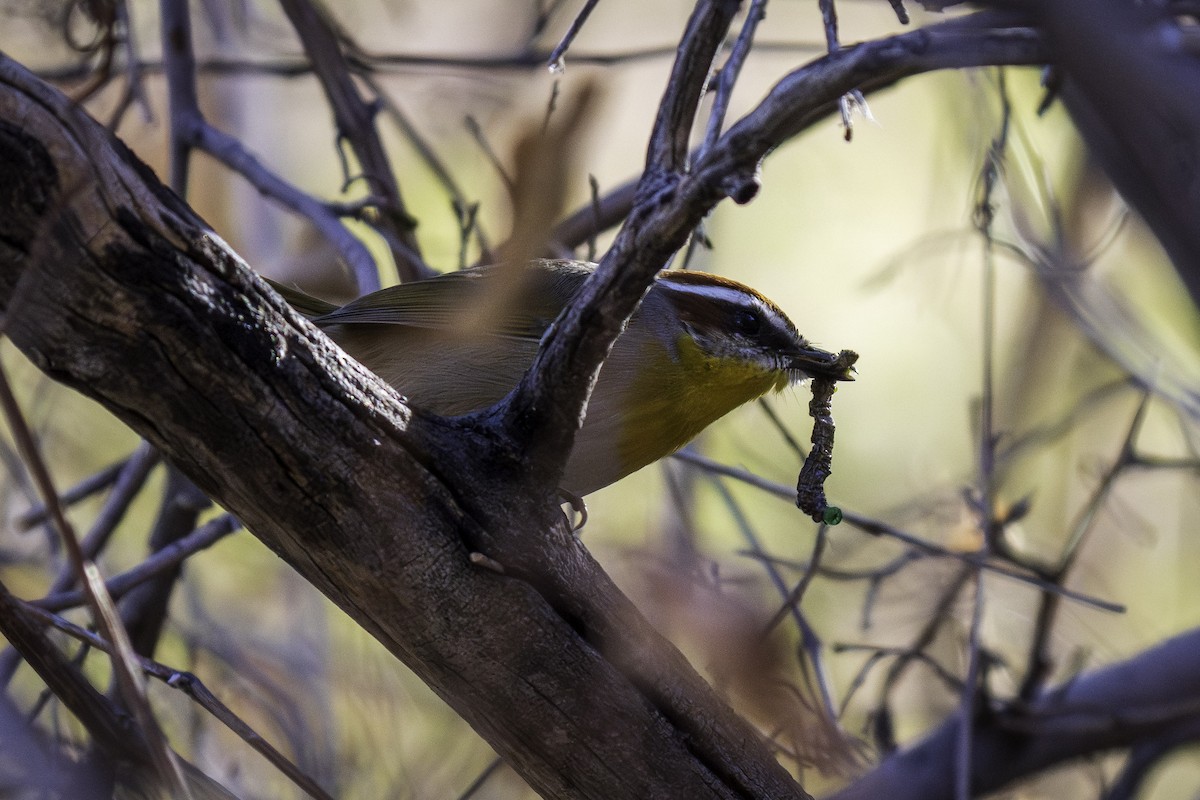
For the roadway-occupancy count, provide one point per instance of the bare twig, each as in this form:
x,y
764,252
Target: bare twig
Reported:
x,y
555,60
231,152
190,130
164,559
830,21
728,75
355,119
429,156
877,654
986,478
190,685
810,641
97,714
144,609
877,527
600,214
941,611
1038,661
134,91
480,137
87,487
594,189
179,65
164,761
791,441
482,778
129,483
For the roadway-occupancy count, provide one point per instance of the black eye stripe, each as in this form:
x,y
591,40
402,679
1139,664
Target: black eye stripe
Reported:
x,y
747,321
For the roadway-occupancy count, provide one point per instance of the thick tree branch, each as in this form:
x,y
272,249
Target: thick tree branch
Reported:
x,y
112,286
1129,74
1132,85
1151,694
379,506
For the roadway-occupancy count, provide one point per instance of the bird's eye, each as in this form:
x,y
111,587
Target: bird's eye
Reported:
x,y
747,323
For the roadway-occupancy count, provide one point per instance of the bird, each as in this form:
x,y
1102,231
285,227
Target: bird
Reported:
x,y
698,346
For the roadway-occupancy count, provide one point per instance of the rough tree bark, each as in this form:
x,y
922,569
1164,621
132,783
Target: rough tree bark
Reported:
x,y
111,285
1147,698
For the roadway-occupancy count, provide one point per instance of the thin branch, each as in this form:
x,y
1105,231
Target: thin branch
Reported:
x,y
594,189
144,610
705,32
785,434
811,92
968,696
428,155
93,484
134,91
555,60
830,22
163,560
190,130
194,688
179,66
164,761
879,528
94,711
986,478
878,653
600,214
132,478
1038,662
364,62
231,152
477,133
810,641
129,483
355,120
482,778
729,73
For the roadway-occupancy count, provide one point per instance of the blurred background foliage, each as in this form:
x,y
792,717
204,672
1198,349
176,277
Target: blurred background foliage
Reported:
x,y
870,245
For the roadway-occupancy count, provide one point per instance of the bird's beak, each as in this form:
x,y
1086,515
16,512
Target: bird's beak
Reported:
x,y
818,363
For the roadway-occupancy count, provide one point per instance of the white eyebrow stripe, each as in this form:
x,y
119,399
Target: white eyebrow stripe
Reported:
x,y
725,294
734,297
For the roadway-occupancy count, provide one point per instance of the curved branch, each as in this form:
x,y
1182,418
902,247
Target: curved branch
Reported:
x,y
1105,709
111,285
545,408
98,262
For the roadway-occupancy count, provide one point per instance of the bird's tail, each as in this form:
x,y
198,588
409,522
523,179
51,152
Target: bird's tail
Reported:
x,y
306,304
